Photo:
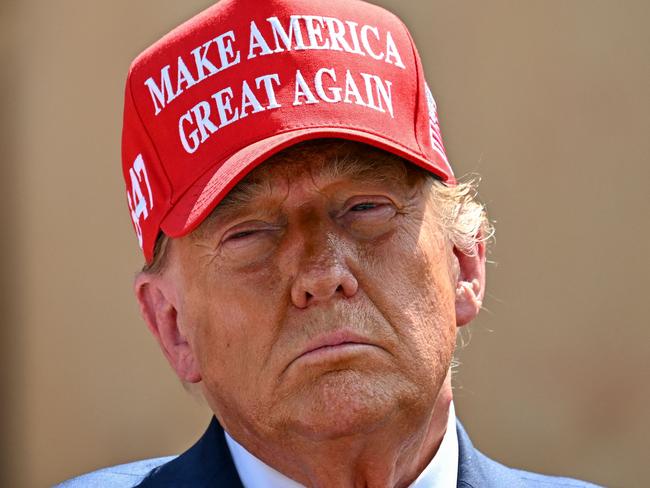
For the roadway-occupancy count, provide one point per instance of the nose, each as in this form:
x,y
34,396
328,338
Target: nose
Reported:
x,y
323,275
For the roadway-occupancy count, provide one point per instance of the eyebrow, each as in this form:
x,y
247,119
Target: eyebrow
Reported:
x,y
374,168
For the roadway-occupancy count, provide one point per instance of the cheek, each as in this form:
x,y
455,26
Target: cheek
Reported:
x,y
407,277
232,321
412,263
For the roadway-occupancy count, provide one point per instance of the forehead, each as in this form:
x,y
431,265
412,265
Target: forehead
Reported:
x,y
323,161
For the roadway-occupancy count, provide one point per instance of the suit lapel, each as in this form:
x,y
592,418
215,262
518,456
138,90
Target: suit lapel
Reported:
x,y
207,464
475,470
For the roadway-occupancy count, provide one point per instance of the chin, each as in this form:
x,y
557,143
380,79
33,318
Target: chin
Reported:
x,y
346,403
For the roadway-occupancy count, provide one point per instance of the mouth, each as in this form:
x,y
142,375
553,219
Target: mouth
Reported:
x,y
332,346
332,340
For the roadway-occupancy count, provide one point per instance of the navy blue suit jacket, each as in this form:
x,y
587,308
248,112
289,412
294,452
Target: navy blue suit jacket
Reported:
x,y
208,464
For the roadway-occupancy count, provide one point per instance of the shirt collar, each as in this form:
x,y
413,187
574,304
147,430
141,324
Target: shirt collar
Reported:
x,y
442,471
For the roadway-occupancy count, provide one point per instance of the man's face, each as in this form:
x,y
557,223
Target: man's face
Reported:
x,y
318,299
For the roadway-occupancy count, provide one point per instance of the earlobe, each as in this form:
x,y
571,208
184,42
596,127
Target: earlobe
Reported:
x,y
470,284
468,303
159,312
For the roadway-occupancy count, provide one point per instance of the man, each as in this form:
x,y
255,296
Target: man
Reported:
x,y
309,252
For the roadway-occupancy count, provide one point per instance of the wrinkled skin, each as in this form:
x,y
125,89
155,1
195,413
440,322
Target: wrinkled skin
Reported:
x,y
303,255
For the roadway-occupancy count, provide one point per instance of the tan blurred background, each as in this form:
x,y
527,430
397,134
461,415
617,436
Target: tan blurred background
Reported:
x,y
546,99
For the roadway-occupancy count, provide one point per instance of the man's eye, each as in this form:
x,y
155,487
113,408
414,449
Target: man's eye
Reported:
x,y
361,207
241,235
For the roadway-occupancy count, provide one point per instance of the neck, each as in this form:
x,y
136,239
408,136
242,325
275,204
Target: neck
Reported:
x,y
392,455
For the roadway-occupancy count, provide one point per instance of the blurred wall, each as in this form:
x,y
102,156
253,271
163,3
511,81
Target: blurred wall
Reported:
x,y
546,99
10,350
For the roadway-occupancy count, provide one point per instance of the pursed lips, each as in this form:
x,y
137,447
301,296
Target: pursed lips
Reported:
x,y
332,340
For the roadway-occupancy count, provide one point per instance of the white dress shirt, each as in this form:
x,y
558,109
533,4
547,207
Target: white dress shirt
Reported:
x,y
442,471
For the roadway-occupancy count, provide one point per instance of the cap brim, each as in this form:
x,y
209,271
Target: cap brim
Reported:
x,y
209,189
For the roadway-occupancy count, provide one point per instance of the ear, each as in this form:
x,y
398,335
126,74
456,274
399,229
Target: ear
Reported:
x,y
470,284
158,307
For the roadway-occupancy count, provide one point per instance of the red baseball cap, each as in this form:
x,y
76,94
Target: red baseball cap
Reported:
x,y
245,79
